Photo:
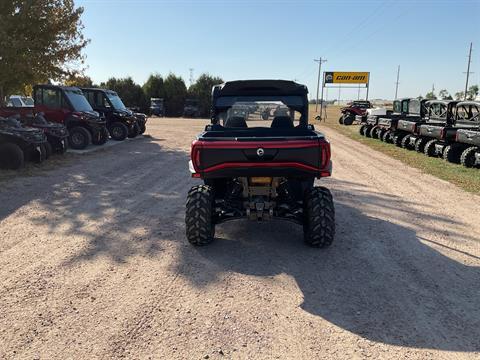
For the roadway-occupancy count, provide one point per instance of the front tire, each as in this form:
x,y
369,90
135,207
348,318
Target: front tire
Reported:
x,y
200,229
11,156
405,143
101,137
467,158
79,138
118,131
420,145
429,149
134,131
48,150
362,130
319,217
143,128
453,153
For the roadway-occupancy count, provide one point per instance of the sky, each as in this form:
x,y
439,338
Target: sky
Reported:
x,y
280,40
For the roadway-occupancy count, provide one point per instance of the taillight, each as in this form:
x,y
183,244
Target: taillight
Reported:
x,y
195,155
325,153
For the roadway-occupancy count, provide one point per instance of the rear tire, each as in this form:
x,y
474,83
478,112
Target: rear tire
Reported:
x,y
348,119
48,150
420,145
319,217
386,136
405,143
467,158
134,131
142,127
362,130
453,153
79,138
397,140
200,229
118,131
374,132
340,120
429,149
11,156
367,131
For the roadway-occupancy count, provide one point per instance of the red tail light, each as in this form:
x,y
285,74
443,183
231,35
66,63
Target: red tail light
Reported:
x,y
195,155
325,154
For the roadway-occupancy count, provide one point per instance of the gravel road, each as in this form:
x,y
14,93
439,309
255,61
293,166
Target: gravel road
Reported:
x,y
94,264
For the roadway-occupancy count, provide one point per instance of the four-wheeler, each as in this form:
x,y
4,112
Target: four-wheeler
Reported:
x,y
356,108
68,106
370,127
19,143
261,170
120,121
398,128
191,108
57,134
157,107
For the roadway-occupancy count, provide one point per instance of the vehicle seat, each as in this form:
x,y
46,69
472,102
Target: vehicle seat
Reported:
x,y
282,122
236,122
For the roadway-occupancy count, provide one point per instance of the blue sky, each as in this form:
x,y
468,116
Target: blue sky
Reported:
x,y
279,39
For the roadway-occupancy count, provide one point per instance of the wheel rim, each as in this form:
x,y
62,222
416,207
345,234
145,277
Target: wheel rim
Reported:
x,y
77,138
117,132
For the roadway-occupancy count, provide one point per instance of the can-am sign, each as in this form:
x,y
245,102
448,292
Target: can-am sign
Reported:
x,y
342,77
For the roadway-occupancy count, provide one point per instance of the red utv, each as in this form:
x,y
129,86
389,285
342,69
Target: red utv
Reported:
x,y
260,169
353,109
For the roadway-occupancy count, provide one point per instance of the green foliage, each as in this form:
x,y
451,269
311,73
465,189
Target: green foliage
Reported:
x,y
444,95
202,91
175,95
39,40
472,92
130,92
79,81
430,95
154,87
459,95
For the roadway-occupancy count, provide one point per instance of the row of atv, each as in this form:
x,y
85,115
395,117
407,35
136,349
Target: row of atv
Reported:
x,y
438,128
64,117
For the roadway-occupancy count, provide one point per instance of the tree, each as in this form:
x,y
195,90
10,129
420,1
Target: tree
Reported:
x,y
154,87
430,95
79,81
130,92
202,90
175,94
472,92
459,95
39,40
444,95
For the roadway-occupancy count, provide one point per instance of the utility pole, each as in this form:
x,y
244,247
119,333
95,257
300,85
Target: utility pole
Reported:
x,y
396,84
468,71
191,76
320,61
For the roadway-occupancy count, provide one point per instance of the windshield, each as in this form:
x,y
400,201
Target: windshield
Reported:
x,y
397,108
78,100
116,101
243,112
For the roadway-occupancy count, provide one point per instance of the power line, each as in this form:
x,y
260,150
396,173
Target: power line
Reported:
x,y
320,61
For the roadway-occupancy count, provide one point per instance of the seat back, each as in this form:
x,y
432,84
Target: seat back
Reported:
x,y
282,122
236,122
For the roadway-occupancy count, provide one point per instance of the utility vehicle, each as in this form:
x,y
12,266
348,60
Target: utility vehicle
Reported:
x,y
398,128
157,107
262,169
371,129
120,121
191,108
20,101
356,108
56,134
68,106
19,143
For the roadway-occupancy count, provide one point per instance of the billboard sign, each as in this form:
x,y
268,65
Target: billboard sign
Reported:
x,y
343,77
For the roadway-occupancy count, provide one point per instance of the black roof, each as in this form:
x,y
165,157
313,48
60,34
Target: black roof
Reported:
x,y
260,88
97,89
438,101
51,86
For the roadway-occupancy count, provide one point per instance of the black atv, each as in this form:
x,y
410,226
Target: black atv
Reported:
x,y
121,122
19,143
57,134
261,170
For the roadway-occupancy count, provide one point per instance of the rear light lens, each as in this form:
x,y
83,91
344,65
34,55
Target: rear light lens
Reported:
x,y
195,155
325,154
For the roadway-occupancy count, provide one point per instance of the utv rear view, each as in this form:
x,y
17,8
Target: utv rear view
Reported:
x,y
260,169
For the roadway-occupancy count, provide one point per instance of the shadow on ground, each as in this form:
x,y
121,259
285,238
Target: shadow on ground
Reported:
x,y
377,280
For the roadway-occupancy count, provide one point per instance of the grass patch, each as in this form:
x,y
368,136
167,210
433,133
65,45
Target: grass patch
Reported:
x,y
467,179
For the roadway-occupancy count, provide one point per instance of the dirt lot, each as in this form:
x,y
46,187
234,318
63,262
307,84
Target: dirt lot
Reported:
x,y
94,264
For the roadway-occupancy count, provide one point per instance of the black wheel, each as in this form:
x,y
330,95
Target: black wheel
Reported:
x,y
79,138
467,158
118,131
405,143
134,131
381,134
362,130
11,156
319,217
142,127
348,119
367,131
429,149
386,136
200,228
452,153
100,137
340,120
374,132
397,140
420,145
48,150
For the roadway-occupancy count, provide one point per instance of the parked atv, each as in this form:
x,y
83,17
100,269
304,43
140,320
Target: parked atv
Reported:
x,y
356,108
57,134
19,143
68,106
191,108
370,127
256,172
120,121
157,107
399,128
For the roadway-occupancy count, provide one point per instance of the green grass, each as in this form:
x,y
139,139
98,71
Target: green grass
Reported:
x,y
467,179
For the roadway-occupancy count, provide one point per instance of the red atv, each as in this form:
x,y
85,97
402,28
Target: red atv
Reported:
x,y
261,170
353,109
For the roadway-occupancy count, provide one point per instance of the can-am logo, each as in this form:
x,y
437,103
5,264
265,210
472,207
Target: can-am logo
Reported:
x,y
260,152
342,77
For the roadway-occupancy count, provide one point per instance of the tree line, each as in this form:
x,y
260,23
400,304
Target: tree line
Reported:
x,y
471,94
